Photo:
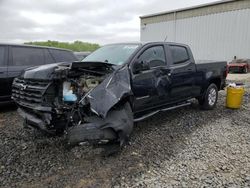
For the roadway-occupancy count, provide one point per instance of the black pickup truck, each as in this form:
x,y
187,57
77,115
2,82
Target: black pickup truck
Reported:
x,y
99,99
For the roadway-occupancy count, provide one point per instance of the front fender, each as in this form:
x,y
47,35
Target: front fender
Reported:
x,y
112,90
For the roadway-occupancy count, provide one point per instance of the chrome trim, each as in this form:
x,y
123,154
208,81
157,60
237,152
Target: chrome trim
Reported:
x,y
143,97
162,110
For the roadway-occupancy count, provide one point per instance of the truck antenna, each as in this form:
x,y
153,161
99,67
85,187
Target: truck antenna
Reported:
x,y
166,38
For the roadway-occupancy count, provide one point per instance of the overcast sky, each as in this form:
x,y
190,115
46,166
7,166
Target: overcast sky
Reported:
x,y
98,21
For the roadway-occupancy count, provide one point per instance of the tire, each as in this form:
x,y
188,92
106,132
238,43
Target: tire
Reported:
x,y
209,100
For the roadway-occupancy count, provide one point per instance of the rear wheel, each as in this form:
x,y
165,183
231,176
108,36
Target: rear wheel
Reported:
x,y
209,100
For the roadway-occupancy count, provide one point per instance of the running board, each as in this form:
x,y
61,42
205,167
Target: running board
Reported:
x,y
162,110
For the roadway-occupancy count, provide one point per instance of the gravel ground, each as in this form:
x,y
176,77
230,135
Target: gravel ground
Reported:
x,y
180,148
241,77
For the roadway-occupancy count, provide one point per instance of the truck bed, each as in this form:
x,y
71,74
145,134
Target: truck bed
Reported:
x,y
213,69
214,66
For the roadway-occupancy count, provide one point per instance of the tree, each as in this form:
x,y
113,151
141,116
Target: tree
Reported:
x,y
76,46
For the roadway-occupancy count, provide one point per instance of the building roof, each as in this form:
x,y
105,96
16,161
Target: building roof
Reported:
x,y
188,8
195,11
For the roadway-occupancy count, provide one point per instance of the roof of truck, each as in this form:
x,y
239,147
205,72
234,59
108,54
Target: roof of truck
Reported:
x,y
150,42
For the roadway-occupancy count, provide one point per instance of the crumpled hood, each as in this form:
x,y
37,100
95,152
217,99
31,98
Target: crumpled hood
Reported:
x,y
43,72
237,65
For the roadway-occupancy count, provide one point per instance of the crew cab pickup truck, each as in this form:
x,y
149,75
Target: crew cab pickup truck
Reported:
x,y
99,99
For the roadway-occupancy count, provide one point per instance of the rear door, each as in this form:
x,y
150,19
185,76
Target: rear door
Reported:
x,y
3,71
22,57
182,73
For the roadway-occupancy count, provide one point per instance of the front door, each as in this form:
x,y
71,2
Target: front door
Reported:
x,y
150,86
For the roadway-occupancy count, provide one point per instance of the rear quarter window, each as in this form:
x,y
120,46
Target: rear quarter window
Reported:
x,y
27,56
179,54
62,56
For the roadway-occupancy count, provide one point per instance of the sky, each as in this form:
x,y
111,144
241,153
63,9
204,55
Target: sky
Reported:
x,y
95,21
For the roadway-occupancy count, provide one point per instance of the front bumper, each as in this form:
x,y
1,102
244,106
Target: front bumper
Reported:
x,y
34,121
90,133
117,126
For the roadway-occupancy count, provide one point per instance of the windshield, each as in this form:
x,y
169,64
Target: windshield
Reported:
x,y
116,54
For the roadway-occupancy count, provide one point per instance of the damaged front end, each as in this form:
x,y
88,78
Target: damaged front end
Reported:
x,y
85,100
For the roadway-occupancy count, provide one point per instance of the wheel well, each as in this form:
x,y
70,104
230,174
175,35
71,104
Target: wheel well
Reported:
x,y
216,81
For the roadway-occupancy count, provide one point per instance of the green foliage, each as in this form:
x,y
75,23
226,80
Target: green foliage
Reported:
x,y
77,46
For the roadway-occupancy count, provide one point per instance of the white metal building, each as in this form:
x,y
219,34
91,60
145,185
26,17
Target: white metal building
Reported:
x,y
215,31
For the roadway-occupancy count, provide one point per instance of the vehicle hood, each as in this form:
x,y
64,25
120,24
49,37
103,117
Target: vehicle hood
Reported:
x,y
237,65
43,72
47,72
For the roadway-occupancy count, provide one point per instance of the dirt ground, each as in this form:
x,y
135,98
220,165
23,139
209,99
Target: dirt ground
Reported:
x,y
186,147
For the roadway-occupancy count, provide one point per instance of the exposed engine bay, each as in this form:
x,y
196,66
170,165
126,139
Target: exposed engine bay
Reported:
x,y
74,96
79,96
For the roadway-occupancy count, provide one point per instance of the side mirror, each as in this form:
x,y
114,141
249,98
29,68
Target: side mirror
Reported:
x,y
140,66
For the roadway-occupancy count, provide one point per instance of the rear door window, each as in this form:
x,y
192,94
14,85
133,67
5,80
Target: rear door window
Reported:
x,y
62,55
179,54
2,52
27,56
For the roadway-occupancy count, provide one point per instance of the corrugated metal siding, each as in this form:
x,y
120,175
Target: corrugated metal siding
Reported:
x,y
158,32
225,6
218,36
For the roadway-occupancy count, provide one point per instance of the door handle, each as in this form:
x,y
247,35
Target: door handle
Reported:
x,y
166,71
169,72
1,72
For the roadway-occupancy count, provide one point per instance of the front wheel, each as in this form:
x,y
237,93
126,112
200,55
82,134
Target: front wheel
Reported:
x,y
209,100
